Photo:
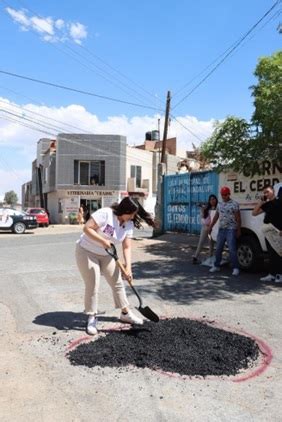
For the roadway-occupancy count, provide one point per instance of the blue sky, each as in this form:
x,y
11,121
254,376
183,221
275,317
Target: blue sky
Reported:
x,y
128,50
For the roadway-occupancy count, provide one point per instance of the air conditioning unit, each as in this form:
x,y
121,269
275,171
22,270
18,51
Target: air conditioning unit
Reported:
x,y
146,184
131,184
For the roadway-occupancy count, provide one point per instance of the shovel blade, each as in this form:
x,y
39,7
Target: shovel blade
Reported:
x,y
148,313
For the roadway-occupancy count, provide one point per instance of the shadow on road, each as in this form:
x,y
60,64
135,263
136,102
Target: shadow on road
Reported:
x,y
172,277
65,320
62,320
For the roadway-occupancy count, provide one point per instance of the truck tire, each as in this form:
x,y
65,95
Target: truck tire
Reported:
x,y
19,228
249,252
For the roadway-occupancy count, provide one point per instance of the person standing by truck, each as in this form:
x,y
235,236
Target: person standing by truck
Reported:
x,y
228,214
272,229
205,221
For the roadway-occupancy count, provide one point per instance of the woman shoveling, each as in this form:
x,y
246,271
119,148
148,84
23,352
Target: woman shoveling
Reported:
x,y
108,226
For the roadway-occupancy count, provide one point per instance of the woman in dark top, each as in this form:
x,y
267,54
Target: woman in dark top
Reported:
x,y
272,207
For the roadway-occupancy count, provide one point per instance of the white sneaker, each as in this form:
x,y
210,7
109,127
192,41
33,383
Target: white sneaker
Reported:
x,y
236,272
130,318
92,326
278,278
268,277
214,269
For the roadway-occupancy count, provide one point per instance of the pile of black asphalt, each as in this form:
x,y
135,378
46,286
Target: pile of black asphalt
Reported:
x,y
178,345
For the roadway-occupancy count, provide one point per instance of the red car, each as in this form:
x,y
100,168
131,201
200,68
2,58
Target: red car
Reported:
x,y
41,216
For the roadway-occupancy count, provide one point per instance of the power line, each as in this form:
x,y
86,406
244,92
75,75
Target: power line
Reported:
x,y
117,71
85,58
45,117
230,51
50,126
276,14
10,119
79,91
42,129
185,127
45,127
60,129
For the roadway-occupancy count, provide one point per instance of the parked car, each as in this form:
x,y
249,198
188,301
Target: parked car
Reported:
x,y
16,221
40,214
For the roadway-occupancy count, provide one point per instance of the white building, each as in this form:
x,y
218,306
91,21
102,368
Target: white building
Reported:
x,y
91,170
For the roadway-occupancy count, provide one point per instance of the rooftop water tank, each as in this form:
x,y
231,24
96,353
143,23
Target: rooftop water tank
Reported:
x,y
148,136
155,135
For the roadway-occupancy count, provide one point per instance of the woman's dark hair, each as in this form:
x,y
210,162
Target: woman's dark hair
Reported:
x,y
208,205
86,213
128,206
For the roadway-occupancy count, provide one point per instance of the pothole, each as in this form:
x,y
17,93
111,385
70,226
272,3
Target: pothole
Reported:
x,y
178,345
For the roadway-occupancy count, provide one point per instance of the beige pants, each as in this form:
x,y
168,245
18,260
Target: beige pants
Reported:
x,y
204,236
91,267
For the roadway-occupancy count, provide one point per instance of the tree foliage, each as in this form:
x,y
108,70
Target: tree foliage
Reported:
x,y
228,144
237,143
267,95
11,198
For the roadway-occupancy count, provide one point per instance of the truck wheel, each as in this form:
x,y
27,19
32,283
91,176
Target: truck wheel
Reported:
x,y
19,228
249,254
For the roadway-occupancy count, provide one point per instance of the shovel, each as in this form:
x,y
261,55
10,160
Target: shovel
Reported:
x,y
145,311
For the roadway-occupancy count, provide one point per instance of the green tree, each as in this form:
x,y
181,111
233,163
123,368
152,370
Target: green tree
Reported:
x,y
11,198
267,95
235,142
228,144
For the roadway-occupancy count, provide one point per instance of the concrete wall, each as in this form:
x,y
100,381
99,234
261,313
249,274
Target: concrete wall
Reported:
x,y
138,157
108,148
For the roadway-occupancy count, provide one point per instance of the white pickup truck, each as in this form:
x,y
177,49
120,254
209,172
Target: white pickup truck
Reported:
x,y
252,251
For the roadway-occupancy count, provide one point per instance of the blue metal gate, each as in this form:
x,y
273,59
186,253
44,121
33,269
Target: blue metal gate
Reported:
x,y
182,196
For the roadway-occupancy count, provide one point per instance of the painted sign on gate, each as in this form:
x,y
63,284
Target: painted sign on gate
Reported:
x,y
183,195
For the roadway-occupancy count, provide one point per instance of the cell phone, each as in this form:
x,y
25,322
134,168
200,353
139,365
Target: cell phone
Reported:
x,y
263,198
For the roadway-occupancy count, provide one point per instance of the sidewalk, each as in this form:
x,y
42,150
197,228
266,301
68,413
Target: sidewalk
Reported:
x,y
41,231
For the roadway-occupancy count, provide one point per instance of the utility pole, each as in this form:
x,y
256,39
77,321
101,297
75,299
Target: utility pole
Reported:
x,y
161,171
39,175
167,109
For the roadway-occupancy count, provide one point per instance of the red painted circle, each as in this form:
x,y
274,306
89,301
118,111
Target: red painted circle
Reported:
x,y
266,353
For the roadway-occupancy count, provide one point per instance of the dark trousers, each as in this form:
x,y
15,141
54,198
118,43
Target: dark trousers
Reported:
x,y
275,260
228,236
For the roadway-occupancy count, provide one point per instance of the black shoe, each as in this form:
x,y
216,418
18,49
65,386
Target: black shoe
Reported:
x,y
195,260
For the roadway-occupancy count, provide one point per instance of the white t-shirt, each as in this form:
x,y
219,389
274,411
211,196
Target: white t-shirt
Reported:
x,y
109,228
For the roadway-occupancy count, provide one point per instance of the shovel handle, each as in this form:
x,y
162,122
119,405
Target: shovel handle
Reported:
x,y
123,270
113,253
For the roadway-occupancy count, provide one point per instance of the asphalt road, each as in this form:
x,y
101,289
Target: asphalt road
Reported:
x,y
41,317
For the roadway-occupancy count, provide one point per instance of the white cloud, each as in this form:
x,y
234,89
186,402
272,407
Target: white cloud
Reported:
x,y
75,118
59,23
43,25
49,29
19,17
77,32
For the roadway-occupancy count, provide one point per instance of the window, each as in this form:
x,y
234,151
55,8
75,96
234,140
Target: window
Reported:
x,y
89,173
136,171
60,206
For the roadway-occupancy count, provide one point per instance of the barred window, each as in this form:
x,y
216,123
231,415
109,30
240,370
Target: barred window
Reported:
x,y
89,173
136,171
